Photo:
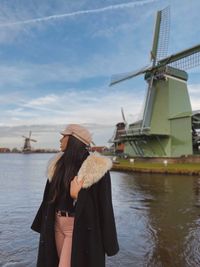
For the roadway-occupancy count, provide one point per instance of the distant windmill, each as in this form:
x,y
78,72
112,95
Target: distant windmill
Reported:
x,y
27,143
165,129
124,119
126,135
120,129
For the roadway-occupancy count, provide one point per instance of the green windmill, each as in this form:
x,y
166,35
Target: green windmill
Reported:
x,y
166,128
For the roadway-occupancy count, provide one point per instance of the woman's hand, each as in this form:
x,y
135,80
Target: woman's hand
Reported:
x,y
75,187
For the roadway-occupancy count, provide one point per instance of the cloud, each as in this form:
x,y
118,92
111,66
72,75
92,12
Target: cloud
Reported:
x,y
99,110
23,75
82,106
194,90
59,73
78,13
42,101
9,97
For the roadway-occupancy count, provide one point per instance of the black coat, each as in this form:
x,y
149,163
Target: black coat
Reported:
x,y
94,231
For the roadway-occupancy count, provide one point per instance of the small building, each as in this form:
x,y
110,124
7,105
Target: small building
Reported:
x,y
116,138
99,149
4,150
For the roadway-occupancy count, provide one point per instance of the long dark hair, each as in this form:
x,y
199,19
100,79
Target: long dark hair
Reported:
x,y
68,165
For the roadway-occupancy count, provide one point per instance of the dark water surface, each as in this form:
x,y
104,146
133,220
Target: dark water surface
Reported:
x,y
157,216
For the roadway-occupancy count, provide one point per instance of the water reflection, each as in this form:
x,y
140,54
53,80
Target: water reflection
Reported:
x,y
192,241
168,221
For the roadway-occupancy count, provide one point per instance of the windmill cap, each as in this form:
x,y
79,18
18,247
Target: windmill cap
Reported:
x,y
79,132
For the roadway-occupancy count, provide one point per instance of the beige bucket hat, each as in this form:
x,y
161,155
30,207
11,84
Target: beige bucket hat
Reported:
x,y
79,132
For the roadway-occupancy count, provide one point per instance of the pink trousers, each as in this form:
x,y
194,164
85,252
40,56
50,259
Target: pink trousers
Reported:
x,y
63,236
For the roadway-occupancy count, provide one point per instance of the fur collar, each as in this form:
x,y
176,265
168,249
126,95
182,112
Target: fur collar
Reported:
x,y
92,169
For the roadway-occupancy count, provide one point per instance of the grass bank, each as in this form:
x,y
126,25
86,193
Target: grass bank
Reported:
x,y
155,167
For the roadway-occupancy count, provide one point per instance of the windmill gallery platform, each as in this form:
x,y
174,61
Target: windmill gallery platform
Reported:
x,y
169,127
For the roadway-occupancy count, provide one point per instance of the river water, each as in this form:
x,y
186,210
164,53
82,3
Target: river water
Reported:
x,y
157,216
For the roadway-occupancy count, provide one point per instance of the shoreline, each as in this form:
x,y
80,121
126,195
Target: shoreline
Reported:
x,y
158,167
180,166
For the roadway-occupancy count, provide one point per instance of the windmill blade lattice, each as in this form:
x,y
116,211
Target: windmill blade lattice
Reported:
x,y
163,42
188,62
183,60
161,35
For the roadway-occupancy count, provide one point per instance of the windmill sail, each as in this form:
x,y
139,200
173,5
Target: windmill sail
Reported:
x,y
148,105
123,116
159,50
156,38
183,60
161,35
117,78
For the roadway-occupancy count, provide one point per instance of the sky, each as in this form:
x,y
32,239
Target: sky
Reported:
x,y
57,59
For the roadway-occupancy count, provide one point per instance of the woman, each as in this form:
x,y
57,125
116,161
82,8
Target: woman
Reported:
x,y
75,219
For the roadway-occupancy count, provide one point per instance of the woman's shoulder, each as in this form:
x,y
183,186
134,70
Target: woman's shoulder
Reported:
x,y
94,169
